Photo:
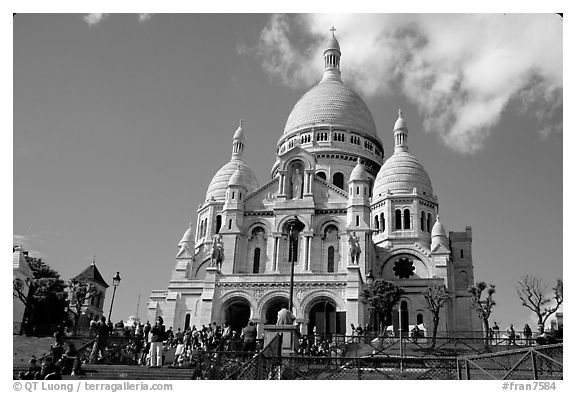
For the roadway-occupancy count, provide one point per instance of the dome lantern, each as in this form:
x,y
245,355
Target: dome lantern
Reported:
x,y
400,134
332,59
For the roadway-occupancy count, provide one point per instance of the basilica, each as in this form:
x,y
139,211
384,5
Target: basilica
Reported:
x,y
335,213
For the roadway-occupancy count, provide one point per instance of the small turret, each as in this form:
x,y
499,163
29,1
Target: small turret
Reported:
x,y
439,236
358,197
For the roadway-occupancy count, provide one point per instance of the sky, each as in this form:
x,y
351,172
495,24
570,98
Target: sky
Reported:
x,y
121,120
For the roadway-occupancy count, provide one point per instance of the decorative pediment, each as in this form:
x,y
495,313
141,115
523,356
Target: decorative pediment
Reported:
x,y
306,157
262,198
326,193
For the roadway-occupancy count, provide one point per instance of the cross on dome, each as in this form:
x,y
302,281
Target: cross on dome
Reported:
x,y
333,29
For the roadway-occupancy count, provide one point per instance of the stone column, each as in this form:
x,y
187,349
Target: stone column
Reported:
x,y
275,266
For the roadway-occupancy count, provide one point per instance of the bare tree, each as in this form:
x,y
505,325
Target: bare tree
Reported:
x,y
534,295
483,306
79,294
436,297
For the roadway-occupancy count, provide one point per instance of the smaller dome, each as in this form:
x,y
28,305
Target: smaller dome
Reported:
x,y
239,134
400,122
332,43
439,236
188,235
236,178
438,229
358,173
219,183
402,173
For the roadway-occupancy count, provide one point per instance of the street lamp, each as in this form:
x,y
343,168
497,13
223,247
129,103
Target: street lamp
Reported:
x,y
369,278
115,282
369,282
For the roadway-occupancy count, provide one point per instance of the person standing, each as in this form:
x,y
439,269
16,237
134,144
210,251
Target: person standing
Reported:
x,y
528,334
156,343
147,328
496,330
511,335
102,335
249,337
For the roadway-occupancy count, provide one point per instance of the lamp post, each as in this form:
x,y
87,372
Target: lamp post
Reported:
x,y
292,262
369,282
115,282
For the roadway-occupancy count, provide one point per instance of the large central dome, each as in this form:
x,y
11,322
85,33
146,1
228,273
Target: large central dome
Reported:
x,y
333,103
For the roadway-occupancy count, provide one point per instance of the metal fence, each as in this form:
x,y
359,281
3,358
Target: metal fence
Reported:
x,y
540,362
369,344
322,368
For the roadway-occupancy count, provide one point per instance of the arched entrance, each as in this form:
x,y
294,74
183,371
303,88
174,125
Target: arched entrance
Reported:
x,y
325,318
272,307
237,314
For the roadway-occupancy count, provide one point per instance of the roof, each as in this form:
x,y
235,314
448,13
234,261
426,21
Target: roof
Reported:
x,y
91,273
333,103
402,173
219,183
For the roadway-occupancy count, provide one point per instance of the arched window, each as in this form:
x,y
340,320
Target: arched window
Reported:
x,y
357,220
382,221
187,322
423,221
376,226
338,180
398,219
429,222
256,266
461,253
218,223
230,224
330,268
321,174
357,190
370,185
404,316
419,319
406,219
233,194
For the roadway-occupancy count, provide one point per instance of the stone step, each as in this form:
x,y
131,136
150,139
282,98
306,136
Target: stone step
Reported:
x,y
124,372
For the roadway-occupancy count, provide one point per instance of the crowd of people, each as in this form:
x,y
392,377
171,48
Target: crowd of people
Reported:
x,y
154,345
526,337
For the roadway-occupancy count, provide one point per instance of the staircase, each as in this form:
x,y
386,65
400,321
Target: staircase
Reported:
x,y
123,372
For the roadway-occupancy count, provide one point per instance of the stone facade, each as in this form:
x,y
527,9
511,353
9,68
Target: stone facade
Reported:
x,y
330,190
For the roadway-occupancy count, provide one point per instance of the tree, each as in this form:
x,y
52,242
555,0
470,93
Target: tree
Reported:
x,y
436,297
534,295
381,297
46,298
79,293
483,306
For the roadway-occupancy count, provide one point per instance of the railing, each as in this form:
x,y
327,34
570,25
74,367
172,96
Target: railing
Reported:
x,y
377,345
537,362
322,368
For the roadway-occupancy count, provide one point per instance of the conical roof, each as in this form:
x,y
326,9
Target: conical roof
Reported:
x,y
358,173
91,273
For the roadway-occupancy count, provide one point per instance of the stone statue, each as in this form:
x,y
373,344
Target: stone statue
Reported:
x,y
285,317
296,184
355,250
217,252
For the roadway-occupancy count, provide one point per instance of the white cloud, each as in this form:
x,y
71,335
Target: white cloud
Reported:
x,y
144,17
461,71
93,19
